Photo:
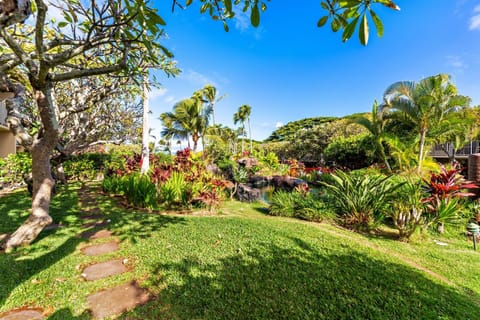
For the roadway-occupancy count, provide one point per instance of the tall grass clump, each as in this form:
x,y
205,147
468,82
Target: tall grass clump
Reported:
x,y
298,204
140,191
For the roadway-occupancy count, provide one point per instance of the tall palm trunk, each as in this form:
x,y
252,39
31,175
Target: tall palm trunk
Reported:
x,y
244,136
423,134
250,135
43,182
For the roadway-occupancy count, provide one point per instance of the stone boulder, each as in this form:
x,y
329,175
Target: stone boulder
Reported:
x,y
245,193
257,181
248,162
287,183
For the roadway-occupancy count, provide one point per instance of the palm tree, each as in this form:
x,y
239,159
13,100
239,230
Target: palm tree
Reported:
x,y
424,104
208,95
188,119
243,115
376,127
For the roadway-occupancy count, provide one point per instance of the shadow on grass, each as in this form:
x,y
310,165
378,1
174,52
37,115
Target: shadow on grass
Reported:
x,y
54,245
297,281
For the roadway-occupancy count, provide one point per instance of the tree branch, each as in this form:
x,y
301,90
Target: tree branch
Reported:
x,y
86,72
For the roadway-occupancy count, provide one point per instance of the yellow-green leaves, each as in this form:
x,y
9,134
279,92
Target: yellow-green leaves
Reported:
x,y
351,15
364,31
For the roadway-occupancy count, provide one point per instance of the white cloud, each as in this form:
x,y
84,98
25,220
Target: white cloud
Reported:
x,y
475,19
157,92
456,62
278,124
197,78
242,20
169,99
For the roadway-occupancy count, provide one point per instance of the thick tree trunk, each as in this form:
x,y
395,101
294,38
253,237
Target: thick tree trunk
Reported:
x,y
145,128
43,182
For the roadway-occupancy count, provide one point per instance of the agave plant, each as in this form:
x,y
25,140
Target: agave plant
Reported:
x,y
361,200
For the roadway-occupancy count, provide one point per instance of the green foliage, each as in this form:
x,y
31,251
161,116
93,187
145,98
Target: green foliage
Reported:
x,y
79,169
240,174
303,205
112,184
288,131
407,209
139,190
176,192
14,167
361,200
270,160
353,152
308,143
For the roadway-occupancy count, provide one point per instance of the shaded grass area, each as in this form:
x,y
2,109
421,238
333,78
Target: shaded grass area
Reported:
x,y
238,264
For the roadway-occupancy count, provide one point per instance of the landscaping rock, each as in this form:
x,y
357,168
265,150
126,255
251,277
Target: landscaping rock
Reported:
x,y
246,193
248,162
23,314
117,300
100,249
259,181
286,182
103,270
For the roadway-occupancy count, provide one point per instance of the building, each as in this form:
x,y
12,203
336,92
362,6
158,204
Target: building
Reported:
x,y
8,143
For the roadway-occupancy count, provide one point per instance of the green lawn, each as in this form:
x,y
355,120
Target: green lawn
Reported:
x,y
239,264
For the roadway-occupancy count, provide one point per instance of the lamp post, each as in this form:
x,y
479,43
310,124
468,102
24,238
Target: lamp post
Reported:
x,y
474,229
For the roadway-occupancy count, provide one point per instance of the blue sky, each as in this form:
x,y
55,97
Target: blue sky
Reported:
x,y
288,69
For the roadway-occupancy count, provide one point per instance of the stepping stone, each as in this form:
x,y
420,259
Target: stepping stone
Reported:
x,y
102,223
103,270
96,234
92,217
93,210
54,226
23,314
117,300
100,249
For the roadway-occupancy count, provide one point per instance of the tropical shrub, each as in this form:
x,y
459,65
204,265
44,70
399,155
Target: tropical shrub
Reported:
x,y
79,169
15,167
175,191
139,190
361,201
299,204
352,152
112,184
445,190
407,209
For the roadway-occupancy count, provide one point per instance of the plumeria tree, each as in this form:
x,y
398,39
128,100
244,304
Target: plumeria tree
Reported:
x,y
91,39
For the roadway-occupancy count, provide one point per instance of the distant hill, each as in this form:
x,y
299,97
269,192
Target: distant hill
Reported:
x,y
287,132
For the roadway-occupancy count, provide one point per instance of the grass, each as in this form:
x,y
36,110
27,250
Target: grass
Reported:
x,y
239,264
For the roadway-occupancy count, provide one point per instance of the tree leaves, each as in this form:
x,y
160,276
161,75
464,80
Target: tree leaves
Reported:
x,y
364,31
255,16
346,14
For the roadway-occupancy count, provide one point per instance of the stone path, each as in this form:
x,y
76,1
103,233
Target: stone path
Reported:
x,y
116,300
23,314
108,302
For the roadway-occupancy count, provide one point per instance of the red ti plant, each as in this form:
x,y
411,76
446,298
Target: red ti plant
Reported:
x,y
449,183
445,189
